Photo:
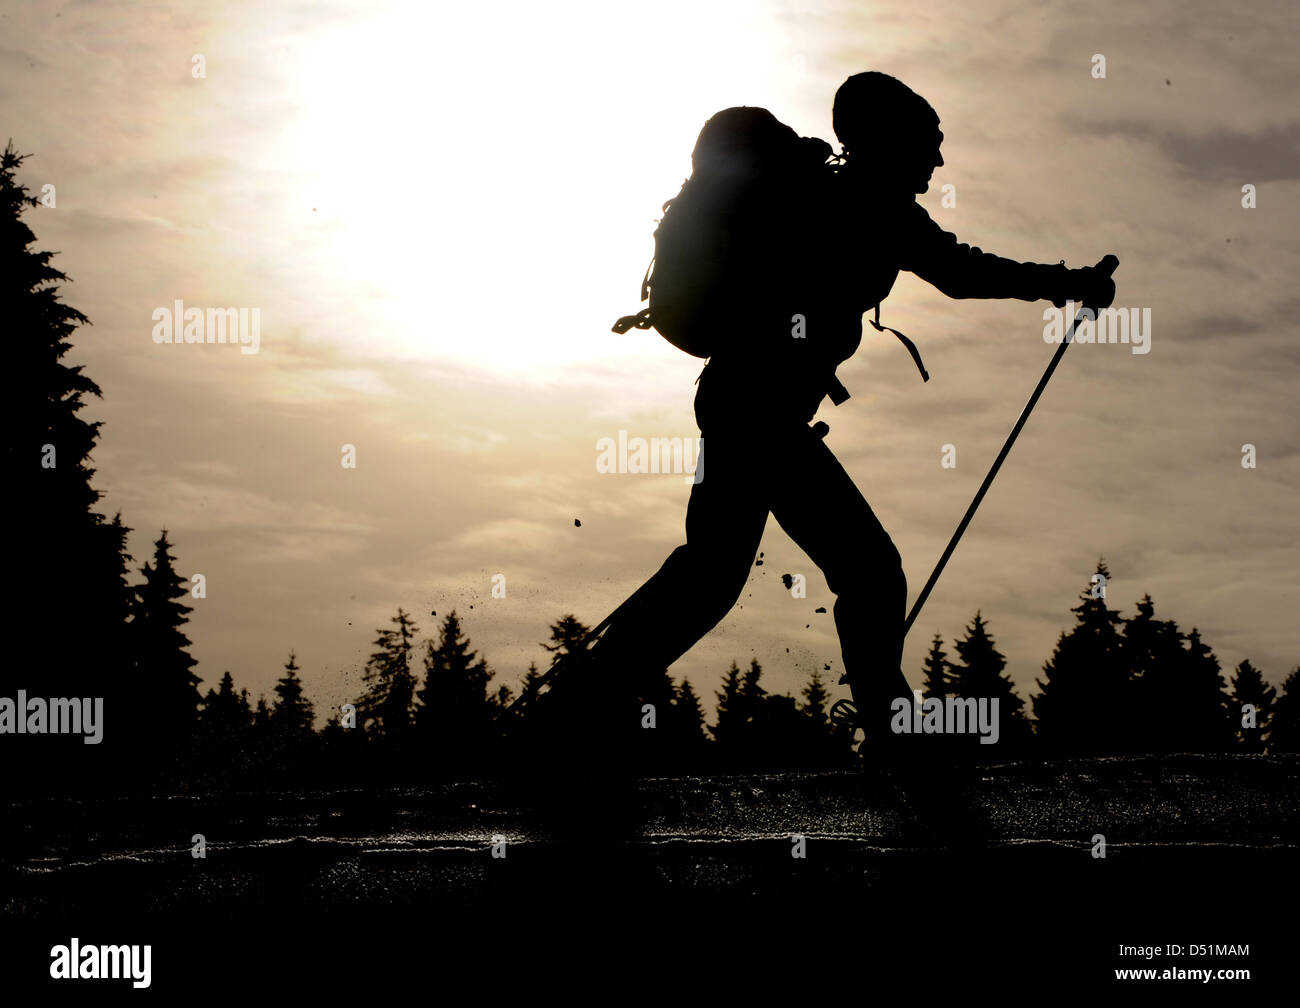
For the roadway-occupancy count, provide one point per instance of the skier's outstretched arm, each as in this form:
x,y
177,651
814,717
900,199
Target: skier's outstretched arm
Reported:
x,y
964,271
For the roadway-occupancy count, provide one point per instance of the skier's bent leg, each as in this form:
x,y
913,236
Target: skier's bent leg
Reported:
x,y
869,615
827,516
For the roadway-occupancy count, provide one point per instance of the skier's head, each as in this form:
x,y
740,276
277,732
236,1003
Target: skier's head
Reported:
x,y
879,117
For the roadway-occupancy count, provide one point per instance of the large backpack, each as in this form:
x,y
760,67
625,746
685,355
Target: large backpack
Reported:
x,y
745,167
718,247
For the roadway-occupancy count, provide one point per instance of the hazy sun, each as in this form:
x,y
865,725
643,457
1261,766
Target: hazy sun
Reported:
x,y
486,178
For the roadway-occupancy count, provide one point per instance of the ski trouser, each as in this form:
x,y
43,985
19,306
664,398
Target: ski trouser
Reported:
x,y
787,470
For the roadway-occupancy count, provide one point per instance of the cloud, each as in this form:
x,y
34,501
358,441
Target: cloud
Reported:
x,y
1226,155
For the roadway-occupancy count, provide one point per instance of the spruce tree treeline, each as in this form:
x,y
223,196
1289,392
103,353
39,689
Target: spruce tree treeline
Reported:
x,y
1117,685
1114,684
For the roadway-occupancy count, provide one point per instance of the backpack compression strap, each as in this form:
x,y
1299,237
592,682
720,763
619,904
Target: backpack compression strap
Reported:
x,y
641,320
911,347
836,390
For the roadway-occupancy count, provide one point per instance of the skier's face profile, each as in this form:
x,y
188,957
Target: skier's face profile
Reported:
x,y
904,161
932,154
918,156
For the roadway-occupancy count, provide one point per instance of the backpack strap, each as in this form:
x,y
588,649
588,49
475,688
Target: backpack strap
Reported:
x,y
911,347
641,320
835,388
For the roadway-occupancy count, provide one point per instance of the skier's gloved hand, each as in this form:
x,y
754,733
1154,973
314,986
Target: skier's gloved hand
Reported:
x,y
1098,284
1090,287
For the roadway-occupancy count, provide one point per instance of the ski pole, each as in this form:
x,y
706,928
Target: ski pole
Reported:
x,y
1107,267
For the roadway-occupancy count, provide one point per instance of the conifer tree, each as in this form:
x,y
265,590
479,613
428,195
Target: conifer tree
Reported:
x,y
168,696
455,714
1086,697
502,698
823,742
385,709
224,720
530,678
816,701
1152,649
1284,726
567,636
690,713
1201,713
752,693
293,715
222,705
651,687
741,728
677,738
980,674
730,714
1250,689
527,688
69,560
1181,699
937,675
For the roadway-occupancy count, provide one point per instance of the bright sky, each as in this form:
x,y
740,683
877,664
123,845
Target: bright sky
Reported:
x,y
440,208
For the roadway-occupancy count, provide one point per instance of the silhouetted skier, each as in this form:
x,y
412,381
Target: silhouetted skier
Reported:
x,y
807,255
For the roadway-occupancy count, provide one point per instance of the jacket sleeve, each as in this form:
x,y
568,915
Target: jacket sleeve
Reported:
x,y
963,271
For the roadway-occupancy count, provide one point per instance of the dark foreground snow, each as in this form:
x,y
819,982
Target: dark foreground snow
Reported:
x,y
997,863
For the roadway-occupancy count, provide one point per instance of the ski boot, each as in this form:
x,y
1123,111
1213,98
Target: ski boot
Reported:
x,y
880,743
